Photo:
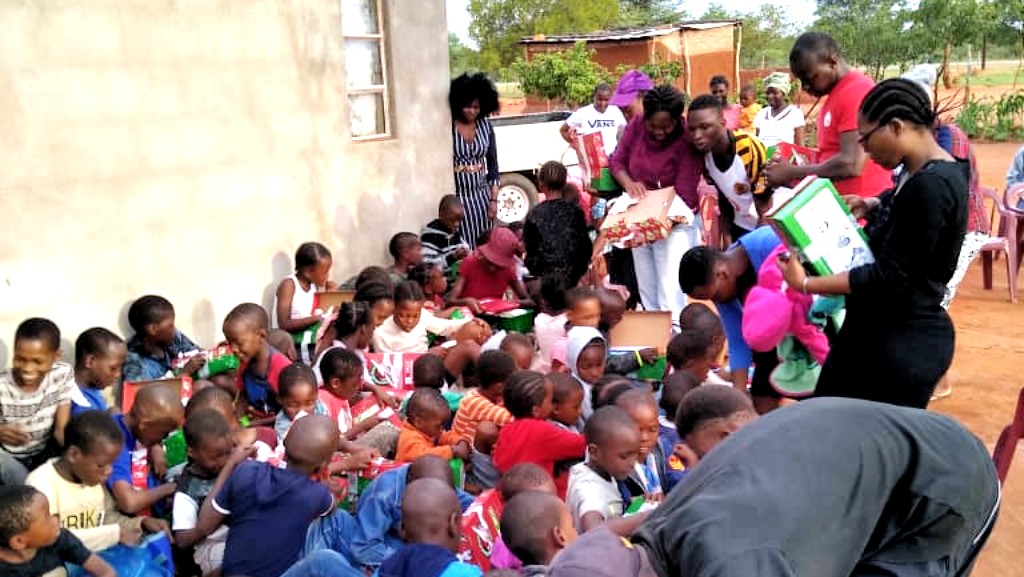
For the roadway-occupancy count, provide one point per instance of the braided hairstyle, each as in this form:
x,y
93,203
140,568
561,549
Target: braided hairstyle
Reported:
x,y
898,98
664,98
552,175
352,317
524,391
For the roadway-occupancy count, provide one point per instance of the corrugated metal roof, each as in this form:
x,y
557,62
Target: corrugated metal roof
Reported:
x,y
629,34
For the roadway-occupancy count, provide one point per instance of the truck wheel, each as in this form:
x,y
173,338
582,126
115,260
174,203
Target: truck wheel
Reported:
x,y
516,196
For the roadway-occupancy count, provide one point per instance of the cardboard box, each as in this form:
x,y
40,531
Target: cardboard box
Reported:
x,y
329,299
817,225
647,329
644,222
182,386
392,369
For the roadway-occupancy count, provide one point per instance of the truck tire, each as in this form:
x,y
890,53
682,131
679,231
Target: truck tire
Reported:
x,y
516,196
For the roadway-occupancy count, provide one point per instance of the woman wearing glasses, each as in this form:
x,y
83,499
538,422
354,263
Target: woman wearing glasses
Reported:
x,y
897,341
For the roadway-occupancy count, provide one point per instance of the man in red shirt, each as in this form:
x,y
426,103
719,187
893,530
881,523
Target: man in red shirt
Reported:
x,y
818,63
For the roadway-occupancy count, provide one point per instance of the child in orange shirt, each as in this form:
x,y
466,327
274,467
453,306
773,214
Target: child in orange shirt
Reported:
x,y
422,433
748,100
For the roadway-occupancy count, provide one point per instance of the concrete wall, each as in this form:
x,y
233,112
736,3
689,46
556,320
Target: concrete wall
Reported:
x,y
187,147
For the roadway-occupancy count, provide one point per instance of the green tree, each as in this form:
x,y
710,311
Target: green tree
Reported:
x,y
872,33
636,13
498,25
461,58
567,77
946,24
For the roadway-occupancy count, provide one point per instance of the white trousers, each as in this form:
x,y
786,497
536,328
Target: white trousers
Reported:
x,y
657,269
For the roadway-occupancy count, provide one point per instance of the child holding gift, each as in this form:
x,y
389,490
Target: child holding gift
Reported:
x,y
99,358
296,295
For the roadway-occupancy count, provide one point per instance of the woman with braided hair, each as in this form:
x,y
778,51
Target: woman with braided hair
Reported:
x,y
656,152
897,341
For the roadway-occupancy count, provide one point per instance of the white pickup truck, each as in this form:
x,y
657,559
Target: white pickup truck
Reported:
x,y
525,142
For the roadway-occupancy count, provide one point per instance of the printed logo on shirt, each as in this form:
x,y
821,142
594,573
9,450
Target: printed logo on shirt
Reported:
x,y
84,520
600,123
741,187
827,121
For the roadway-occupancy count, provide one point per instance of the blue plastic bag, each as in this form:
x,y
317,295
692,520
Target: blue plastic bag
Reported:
x,y
151,559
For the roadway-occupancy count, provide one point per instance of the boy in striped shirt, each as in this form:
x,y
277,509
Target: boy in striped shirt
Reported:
x,y
35,401
442,238
485,404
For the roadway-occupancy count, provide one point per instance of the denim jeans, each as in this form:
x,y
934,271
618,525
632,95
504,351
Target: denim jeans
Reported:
x,y
12,472
323,563
332,533
657,269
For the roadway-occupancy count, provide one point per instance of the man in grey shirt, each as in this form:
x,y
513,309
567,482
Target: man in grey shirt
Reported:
x,y
827,488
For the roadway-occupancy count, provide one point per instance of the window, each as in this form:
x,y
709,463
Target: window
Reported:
x,y
365,68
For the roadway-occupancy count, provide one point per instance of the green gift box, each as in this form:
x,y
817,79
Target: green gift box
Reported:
x,y
817,225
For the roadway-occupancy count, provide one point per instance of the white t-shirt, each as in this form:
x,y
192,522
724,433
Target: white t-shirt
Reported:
x,y
730,183
588,120
773,129
589,492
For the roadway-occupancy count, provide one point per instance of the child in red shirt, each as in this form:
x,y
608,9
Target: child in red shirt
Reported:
x,y
489,272
530,438
245,329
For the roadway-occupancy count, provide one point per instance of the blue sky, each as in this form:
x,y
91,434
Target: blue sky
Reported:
x,y
802,12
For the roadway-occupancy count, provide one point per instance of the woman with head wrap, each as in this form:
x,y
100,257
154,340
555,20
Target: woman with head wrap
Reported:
x,y
780,121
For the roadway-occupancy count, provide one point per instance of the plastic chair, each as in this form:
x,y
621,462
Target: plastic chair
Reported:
x,y
1007,242
1006,446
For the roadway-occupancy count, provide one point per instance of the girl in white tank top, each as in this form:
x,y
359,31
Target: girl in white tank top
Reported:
x,y
296,297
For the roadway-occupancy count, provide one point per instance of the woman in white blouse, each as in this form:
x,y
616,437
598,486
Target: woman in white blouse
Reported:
x,y
780,121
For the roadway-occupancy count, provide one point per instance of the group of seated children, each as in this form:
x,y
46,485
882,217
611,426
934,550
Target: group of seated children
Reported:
x,y
545,433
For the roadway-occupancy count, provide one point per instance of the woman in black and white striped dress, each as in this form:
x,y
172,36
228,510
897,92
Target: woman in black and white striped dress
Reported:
x,y
475,157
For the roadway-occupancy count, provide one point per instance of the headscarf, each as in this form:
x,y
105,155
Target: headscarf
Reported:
x,y
779,81
578,338
925,75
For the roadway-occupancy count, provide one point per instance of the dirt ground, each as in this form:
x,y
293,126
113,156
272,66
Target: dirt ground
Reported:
x,y
987,377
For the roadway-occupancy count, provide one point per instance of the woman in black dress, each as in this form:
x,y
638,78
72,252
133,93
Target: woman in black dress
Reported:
x,y
475,156
897,340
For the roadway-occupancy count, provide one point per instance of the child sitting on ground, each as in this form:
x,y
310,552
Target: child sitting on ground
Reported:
x,y
484,403
431,521
298,394
73,485
555,234
549,324
693,352
699,317
156,343
708,415
283,342
408,329
380,297
530,438
521,348
676,386
480,527
489,273
32,542
422,433
210,447
428,371
342,370
613,449
219,400
352,329
442,238
260,365
536,526
586,353
567,402
99,358
431,279
379,514
268,509
156,412
35,401
296,296
646,481
406,249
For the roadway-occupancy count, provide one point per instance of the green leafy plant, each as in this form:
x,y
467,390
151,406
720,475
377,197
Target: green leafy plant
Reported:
x,y
565,76
1000,120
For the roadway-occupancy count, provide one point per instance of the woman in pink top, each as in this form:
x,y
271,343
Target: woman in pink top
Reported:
x,y
656,152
